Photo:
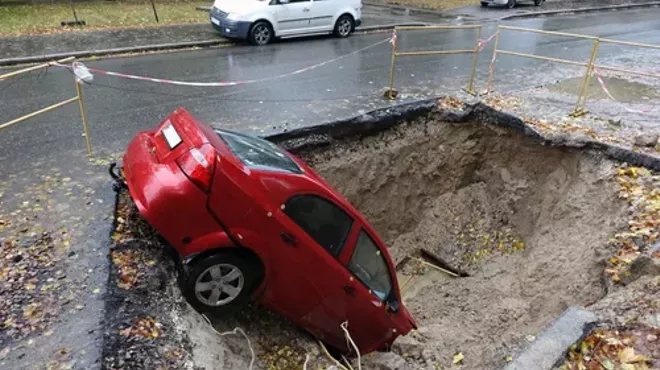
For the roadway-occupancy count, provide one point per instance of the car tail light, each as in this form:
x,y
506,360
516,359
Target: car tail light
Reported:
x,y
198,164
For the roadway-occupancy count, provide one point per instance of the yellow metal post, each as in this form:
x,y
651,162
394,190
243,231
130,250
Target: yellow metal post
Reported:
x,y
584,87
470,88
491,69
83,116
36,113
392,65
34,68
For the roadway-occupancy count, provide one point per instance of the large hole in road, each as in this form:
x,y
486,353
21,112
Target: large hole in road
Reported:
x,y
527,222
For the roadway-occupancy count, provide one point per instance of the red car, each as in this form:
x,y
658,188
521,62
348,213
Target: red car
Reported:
x,y
251,221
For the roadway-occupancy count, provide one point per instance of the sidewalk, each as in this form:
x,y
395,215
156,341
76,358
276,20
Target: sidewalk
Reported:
x,y
150,38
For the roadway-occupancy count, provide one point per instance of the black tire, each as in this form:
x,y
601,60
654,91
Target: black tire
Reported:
x,y
344,26
200,272
261,33
483,5
538,2
511,4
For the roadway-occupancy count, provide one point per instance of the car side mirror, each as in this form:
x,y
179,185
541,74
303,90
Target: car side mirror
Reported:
x,y
392,305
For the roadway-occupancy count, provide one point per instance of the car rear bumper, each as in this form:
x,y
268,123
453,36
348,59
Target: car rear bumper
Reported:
x,y
165,197
358,22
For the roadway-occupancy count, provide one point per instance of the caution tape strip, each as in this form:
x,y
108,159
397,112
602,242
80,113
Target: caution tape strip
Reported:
x,y
601,82
483,42
227,83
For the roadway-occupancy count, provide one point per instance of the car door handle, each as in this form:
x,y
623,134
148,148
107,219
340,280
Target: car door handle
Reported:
x,y
349,289
305,9
288,239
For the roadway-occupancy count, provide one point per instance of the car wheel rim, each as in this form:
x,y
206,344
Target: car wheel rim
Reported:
x,y
219,285
344,27
262,35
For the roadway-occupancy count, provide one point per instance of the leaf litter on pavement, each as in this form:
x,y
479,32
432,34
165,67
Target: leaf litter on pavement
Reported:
x,y
40,219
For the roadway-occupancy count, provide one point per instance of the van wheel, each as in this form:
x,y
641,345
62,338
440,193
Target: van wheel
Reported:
x,y
261,33
220,284
345,26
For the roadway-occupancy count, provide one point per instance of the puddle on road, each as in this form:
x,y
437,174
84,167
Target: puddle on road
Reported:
x,y
623,90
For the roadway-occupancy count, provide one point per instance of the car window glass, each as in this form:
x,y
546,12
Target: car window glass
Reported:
x,y
370,267
258,153
321,219
299,1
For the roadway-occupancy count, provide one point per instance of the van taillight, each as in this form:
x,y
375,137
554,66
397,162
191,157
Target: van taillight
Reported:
x,y
198,164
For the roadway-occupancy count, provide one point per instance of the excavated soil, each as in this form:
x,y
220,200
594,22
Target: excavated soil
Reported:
x,y
528,222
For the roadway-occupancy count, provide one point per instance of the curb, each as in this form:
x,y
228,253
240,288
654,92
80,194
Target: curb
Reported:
x,y
131,49
579,10
409,9
169,46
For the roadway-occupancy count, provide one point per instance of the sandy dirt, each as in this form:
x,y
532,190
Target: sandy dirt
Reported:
x,y
529,223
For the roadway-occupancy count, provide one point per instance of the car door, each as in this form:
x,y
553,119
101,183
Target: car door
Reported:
x,y
323,12
317,227
292,16
370,290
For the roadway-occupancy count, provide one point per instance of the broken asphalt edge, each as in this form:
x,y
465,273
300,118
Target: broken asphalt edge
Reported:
x,y
384,118
161,47
546,13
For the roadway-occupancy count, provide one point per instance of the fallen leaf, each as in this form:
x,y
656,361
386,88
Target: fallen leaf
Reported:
x,y
508,359
607,364
96,290
458,358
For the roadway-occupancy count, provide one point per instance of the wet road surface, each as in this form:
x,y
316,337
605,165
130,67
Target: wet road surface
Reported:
x,y
117,108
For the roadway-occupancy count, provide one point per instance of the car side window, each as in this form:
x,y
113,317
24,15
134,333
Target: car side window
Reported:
x,y
370,267
321,219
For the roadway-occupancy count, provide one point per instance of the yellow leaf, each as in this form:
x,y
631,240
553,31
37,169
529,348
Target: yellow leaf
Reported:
x,y
508,358
458,358
627,367
627,355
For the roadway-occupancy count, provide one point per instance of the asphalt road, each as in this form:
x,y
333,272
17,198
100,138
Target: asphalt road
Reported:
x,y
117,108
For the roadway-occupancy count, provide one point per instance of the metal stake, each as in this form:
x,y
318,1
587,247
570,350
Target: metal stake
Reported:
x,y
491,69
584,87
392,65
83,116
470,88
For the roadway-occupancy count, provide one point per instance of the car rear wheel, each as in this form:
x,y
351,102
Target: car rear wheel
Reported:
x,y
538,2
344,26
261,33
220,284
483,5
511,4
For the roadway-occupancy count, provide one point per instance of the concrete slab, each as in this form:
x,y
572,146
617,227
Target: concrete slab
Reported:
x,y
553,342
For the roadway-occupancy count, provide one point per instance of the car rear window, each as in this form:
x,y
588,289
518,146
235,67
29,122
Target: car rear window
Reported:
x,y
258,153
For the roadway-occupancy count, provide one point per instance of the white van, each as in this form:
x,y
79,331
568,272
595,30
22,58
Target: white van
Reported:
x,y
259,21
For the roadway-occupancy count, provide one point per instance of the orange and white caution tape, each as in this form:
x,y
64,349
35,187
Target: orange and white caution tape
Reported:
x,y
483,42
229,83
601,82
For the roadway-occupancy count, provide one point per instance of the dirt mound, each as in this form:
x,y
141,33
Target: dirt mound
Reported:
x,y
529,223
